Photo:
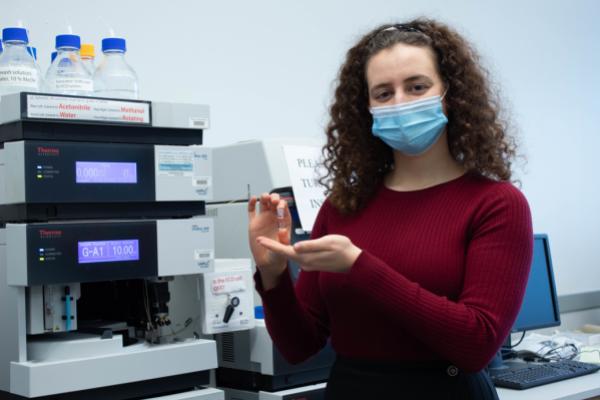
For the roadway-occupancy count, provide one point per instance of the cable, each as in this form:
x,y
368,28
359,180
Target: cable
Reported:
x,y
519,342
186,324
549,351
147,306
554,353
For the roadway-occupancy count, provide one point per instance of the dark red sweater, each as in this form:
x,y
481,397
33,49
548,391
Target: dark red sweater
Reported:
x,y
441,277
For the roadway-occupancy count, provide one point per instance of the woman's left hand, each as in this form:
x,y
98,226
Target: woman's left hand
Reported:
x,y
330,253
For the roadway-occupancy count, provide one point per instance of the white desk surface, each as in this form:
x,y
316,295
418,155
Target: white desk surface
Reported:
x,y
582,387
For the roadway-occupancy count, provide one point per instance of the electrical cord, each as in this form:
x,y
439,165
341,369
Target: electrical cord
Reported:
x,y
147,306
508,352
548,352
554,353
519,342
551,354
186,324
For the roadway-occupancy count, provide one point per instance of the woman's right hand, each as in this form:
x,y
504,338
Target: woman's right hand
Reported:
x,y
265,223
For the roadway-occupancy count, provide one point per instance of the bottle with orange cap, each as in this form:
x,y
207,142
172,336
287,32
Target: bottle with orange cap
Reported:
x,y
87,56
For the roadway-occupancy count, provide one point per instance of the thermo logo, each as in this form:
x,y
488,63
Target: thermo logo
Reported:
x,y
48,151
50,233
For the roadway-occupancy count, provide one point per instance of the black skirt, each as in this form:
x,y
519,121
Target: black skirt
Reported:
x,y
356,379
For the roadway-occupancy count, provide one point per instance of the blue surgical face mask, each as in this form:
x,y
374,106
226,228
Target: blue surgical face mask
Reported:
x,y
411,128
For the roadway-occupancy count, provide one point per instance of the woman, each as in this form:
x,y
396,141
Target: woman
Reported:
x,y
419,258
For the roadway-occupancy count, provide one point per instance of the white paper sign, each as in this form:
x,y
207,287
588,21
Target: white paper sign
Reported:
x,y
305,169
88,109
175,161
217,290
65,84
228,284
20,76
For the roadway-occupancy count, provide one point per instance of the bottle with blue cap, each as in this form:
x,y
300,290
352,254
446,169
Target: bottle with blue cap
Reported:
x,y
33,52
18,70
67,74
52,58
114,77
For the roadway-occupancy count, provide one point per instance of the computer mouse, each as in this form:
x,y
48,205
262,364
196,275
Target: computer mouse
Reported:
x,y
530,356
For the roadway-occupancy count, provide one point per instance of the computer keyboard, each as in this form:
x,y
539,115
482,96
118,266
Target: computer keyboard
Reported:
x,y
531,375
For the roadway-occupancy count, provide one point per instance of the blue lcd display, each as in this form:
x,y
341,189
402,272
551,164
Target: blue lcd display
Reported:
x,y
108,251
105,172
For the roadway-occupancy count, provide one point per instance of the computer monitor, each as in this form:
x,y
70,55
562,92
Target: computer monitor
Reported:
x,y
540,304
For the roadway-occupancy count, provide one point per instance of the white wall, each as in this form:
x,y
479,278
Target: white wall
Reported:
x,y
266,68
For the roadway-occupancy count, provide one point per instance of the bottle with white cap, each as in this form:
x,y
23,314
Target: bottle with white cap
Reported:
x,y
67,74
114,77
18,70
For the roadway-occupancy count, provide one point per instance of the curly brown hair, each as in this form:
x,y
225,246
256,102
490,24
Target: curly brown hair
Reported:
x,y
356,161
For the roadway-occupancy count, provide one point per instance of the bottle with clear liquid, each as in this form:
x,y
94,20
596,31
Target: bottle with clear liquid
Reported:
x,y
67,74
87,57
18,70
114,77
33,52
52,58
